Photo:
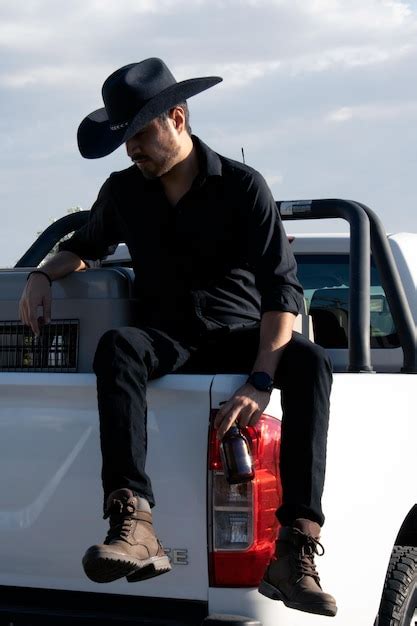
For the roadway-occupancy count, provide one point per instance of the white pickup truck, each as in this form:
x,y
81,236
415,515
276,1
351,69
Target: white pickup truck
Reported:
x,y
219,537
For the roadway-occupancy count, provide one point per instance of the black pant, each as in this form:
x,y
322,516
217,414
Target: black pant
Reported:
x,y
127,357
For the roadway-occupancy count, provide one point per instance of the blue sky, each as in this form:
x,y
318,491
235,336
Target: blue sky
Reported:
x,y
321,94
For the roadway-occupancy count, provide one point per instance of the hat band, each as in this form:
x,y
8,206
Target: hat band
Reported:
x,y
119,126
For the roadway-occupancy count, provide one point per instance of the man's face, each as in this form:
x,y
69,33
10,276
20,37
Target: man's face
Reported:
x,y
155,148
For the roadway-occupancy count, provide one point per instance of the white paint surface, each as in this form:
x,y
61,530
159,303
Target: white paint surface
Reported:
x,y
369,488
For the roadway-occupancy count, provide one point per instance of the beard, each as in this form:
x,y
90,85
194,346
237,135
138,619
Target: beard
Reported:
x,y
163,159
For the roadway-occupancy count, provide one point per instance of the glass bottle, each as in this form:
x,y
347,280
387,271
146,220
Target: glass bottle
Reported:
x,y
236,457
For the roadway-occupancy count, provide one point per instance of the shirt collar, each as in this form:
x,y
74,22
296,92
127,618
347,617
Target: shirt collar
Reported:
x,y
209,164
209,161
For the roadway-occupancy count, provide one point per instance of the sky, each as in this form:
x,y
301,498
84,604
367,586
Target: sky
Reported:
x,y
321,94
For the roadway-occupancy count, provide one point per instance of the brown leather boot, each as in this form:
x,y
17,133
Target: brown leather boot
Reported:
x,y
292,576
131,547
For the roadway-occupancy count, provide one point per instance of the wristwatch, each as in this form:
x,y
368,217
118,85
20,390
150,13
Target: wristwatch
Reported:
x,y
261,381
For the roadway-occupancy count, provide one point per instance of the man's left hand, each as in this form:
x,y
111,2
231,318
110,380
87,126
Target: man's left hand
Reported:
x,y
245,407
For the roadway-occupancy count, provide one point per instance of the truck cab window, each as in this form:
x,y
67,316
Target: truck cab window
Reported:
x,y
325,279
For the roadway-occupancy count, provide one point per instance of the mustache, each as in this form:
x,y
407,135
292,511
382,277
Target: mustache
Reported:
x,y
137,156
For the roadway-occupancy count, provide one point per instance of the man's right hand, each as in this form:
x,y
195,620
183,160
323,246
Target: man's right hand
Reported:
x,y
37,292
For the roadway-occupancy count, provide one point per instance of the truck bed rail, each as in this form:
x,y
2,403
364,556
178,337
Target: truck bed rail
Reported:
x,y
366,235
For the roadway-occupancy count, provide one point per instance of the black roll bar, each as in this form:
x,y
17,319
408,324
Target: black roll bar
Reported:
x,y
359,266
366,233
50,236
360,274
394,290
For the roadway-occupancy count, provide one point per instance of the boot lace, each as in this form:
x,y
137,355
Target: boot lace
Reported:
x,y
304,560
121,520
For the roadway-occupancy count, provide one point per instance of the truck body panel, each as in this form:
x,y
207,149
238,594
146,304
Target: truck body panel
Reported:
x,y
51,457
51,496
369,490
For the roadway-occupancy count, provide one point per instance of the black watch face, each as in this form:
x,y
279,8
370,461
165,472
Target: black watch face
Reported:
x,y
261,381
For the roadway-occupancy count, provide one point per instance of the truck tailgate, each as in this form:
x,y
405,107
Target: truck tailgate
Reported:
x,y
50,487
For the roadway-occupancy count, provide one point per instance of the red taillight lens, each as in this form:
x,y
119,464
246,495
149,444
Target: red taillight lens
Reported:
x,y
243,525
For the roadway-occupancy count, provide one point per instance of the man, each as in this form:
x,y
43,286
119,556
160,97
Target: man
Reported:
x,y
217,291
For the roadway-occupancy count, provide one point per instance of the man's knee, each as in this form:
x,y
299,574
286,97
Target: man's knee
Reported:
x,y
119,342
319,358
304,355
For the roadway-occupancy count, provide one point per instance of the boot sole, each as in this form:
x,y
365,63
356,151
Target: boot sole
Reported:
x,y
106,566
155,566
322,608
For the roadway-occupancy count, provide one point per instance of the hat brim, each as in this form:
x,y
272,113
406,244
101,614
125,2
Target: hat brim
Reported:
x,y
95,137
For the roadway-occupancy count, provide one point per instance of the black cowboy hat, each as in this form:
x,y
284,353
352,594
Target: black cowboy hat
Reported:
x,y
133,96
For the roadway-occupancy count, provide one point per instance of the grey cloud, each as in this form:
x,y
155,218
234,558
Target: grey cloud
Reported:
x,y
321,94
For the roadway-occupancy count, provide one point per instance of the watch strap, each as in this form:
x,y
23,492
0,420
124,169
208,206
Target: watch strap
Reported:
x,y
262,381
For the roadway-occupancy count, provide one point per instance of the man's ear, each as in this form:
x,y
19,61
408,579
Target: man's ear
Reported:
x,y
178,118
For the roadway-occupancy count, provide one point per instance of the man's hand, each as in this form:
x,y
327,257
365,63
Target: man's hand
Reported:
x,y
245,406
37,292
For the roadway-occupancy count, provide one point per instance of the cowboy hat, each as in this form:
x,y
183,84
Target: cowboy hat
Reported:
x,y
133,96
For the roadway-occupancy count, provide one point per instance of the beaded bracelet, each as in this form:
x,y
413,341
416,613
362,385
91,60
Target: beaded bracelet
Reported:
x,y
40,272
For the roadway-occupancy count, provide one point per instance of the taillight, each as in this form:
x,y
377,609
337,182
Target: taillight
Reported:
x,y
242,522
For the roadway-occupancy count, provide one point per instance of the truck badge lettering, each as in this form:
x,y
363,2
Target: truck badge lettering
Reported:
x,y
177,556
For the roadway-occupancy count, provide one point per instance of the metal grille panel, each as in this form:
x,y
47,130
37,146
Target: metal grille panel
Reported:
x,y
55,350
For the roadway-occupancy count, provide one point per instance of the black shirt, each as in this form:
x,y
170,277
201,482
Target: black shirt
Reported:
x,y
218,259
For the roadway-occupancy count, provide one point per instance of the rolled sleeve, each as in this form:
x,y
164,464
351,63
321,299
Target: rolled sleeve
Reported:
x,y
270,254
100,236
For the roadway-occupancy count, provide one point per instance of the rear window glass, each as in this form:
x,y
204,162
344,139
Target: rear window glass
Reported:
x,y
325,279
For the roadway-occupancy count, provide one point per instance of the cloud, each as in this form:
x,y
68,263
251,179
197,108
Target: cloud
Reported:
x,y
274,180
122,8
25,36
305,83
244,73
235,74
242,40
374,112
340,115
348,57
66,76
